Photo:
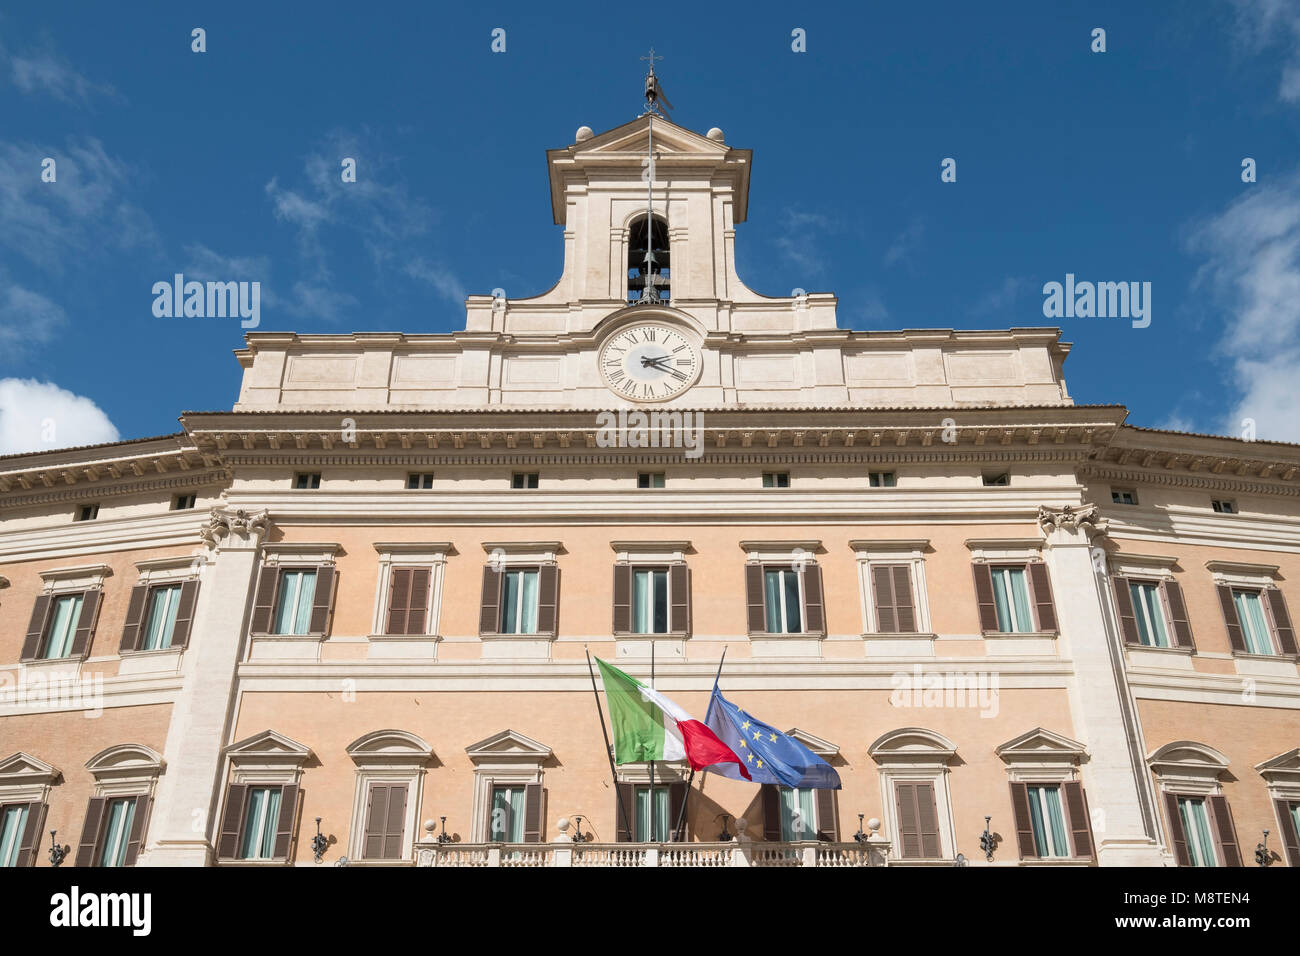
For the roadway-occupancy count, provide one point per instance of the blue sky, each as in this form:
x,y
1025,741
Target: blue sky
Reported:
x,y
1115,166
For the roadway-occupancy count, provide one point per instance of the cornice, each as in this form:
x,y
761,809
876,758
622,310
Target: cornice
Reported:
x,y
1207,481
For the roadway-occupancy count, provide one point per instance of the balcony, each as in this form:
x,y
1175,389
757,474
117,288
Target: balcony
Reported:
x,y
873,853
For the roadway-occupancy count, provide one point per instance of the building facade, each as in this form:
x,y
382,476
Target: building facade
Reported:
x,y
366,592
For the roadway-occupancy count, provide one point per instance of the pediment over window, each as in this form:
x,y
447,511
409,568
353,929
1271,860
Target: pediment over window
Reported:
x,y
126,760
1187,756
913,745
268,751
822,748
22,768
508,747
1282,769
391,748
1039,744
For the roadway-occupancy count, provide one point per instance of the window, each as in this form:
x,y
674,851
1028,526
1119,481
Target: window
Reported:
x,y
13,823
421,481
62,627
294,603
1123,496
260,812
783,604
650,479
119,815
385,821
882,479
260,820
776,479
88,513
1048,821
663,824
183,502
650,601
1223,506
1196,831
519,594
999,480
1011,599
160,624
524,479
648,261
1254,624
507,816
798,814
306,479
1149,613
918,820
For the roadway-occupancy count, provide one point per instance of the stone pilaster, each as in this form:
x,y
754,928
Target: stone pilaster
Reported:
x,y
181,830
1105,718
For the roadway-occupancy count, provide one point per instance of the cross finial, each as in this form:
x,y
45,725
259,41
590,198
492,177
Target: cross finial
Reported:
x,y
654,94
652,59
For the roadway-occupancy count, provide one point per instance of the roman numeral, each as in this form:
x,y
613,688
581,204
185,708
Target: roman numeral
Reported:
x,y
685,361
678,349
649,335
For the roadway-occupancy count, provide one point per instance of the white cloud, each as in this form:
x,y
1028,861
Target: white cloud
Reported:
x,y
44,71
26,318
441,278
40,416
1000,299
798,240
905,243
1252,265
1263,23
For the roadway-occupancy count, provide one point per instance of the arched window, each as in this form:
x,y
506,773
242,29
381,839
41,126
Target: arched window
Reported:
x,y
648,261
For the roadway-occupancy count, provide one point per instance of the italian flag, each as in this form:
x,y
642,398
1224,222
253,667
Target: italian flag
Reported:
x,y
649,726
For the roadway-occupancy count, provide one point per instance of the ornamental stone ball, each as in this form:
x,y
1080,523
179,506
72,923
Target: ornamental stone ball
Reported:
x,y
714,134
584,133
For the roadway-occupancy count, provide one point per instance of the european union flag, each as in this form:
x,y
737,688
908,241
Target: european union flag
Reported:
x,y
769,755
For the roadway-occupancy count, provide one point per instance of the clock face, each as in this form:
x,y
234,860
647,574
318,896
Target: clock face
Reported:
x,y
649,362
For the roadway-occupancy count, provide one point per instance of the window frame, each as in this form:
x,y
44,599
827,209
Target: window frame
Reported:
x,y
645,480
184,502
1117,494
306,481
776,480
1224,506
89,512
388,758
400,555
525,480
874,553
882,479
419,480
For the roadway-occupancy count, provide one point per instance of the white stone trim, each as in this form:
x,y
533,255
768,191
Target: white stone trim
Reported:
x,y
1242,575
125,770
1010,550
1041,756
431,555
914,754
651,552
822,748
388,757
910,552
26,779
65,580
522,553
1144,567
267,758
782,552
1188,768
294,554
1282,775
182,567
504,758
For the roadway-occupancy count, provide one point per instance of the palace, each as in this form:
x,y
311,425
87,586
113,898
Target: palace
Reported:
x,y
348,618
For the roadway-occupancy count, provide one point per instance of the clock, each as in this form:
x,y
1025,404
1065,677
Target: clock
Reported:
x,y
649,362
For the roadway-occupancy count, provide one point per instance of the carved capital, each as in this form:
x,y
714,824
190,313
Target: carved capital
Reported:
x,y
224,522
1087,519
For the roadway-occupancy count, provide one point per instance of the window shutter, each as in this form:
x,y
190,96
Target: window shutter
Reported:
x,y
909,830
399,600
89,842
1225,831
927,815
489,618
771,813
396,822
1042,589
86,622
679,590
264,600
372,841
984,597
322,600
36,628
882,585
232,822
814,619
1024,823
754,603
134,618
417,613
288,817
622,598
1178,615
1235,638
139,823
828,818
185,613
1290,839
534,812
1281,621
548,598
676,799
903,601
1127,615
31,838
1176,835
1076,818
625,803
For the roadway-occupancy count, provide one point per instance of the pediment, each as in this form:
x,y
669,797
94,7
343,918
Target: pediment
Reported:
x,y
912,743
508,745
23,768
1187,755
822,748
1283,767
268,744
389,746
126,759
631,138
1038,744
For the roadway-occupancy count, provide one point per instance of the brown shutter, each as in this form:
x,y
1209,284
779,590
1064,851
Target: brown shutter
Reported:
x,y
268,581
36,628
754,603
134,618
396,822
625,803
322,600
1127,615
1290,838
903,602
1176,835
679,592
534,812
548,598
909,830
232,822
771,813
417,615
31,838
882,584
676,799
927,815
1235,638
1042,589
1281,621
489,618
622,598
372,841
90,605
399,600
984,597
1225,831
89,842
139,823
1178,615
1023,820
288,818
828,818
1076,818
814,610
185,613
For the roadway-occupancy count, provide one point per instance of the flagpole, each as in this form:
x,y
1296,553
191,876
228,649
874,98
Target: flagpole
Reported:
x,y
679,831
652,763
618,797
